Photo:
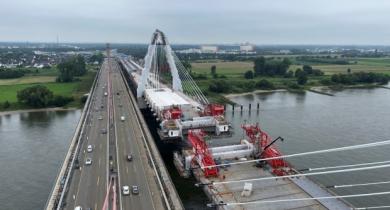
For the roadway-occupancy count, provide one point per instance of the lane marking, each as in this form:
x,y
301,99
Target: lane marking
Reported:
x,y
97,183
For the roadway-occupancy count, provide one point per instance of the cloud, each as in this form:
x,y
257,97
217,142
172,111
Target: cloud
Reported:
x,y
201,21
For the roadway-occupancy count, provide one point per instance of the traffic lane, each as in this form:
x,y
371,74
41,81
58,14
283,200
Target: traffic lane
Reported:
x,y
91,179
134,172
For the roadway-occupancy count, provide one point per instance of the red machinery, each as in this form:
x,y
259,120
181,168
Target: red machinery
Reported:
x,y
172,113
214,110
266,148
196,138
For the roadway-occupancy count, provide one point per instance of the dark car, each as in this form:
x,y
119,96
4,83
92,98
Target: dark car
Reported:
x,y
129,157
135,189
104,131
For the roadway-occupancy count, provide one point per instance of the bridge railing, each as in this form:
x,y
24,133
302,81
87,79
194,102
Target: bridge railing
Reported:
x,y
168,191
62,181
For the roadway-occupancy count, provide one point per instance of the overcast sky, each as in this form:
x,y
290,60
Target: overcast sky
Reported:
x,y
198,21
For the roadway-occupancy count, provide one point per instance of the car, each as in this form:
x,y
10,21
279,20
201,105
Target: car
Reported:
x,y
88,161
78,208
117,93
135,189
129,157
122,118
104,131
125,190
105,94
89,148
120,105
100,118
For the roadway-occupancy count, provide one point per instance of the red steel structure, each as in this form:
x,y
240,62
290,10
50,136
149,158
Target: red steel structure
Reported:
x,y
214,110
262,139
202,154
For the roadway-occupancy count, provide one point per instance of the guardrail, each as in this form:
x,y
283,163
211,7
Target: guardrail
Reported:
x,y
169,193
60,187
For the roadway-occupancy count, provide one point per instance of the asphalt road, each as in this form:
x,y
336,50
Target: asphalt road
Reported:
x,y
129,137
88,185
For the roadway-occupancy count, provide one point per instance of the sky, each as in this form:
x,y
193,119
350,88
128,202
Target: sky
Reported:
x,y
268,22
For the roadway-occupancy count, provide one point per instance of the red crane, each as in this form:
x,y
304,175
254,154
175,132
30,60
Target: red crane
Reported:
x,y
204,157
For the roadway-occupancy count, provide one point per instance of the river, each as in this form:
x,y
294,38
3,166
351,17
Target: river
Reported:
x,y
32,145
32,148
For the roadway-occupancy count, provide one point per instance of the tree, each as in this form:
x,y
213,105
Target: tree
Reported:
x,y
213,70
187,65
6,105
97,57
298,72
289,74
75,66
220,86
308,69
35,96
302,78
248,74
349,70
265,84
259,64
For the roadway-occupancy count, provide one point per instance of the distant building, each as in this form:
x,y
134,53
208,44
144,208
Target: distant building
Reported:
x,y
209,49
247,47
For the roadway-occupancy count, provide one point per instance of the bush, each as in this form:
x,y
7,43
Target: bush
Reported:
x,y
6,105
219,86
294,86
265,84
326,81
360,77
60,100
289,74
302,78
248,74
35,96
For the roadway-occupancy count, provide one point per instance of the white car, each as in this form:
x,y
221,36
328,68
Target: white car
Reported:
x,y
100,117
125,190
89,148
122,118
78,208
88,161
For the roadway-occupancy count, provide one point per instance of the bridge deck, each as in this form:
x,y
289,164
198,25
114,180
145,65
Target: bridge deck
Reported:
x,y
88,184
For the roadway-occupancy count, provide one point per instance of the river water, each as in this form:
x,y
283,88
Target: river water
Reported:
x,y
32,145
32,148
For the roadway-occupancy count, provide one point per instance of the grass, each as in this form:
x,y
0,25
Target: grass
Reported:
x,y
234,73
28,80
10,87
223,68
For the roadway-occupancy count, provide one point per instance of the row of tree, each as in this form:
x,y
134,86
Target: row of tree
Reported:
x,y
360,77
270,67
75,66
11,73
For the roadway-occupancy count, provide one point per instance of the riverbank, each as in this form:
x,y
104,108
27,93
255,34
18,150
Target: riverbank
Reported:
x,y
232,95
325,90
38,110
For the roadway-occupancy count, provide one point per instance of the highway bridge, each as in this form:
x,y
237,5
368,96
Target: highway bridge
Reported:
x,y
97,165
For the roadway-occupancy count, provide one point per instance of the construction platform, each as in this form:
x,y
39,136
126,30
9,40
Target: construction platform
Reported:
x,y
279,189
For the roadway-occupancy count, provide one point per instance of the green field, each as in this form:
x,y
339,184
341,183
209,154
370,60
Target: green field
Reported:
x,y
238,68
10,87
